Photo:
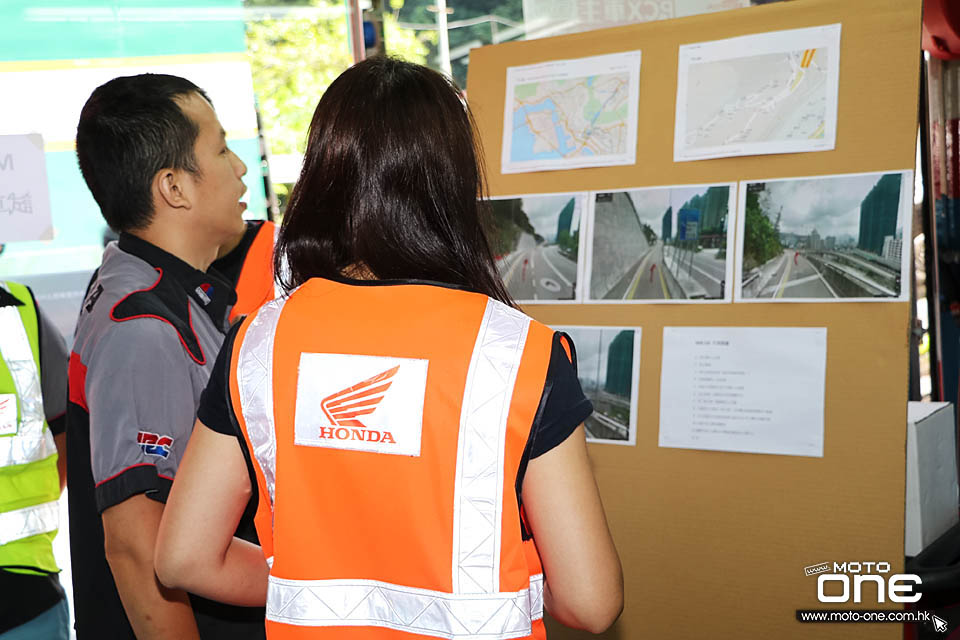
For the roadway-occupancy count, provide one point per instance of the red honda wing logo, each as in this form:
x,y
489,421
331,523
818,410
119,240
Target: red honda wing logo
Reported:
x,y
344,407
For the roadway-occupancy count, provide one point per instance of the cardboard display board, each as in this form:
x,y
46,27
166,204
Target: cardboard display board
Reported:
x,y
714,544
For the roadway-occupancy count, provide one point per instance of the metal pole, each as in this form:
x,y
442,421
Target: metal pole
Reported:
x,y
355,30
599,359
444,38
929,217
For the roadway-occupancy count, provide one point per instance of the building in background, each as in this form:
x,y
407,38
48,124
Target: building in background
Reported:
x,y
565,221
892,248
688,225
814,241
620,365
878,213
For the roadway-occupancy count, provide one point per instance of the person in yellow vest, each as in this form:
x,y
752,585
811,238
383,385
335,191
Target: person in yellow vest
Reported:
x,y
247,264
412,443
33,396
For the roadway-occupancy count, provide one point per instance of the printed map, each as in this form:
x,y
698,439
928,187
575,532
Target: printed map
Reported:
x,y
571,118
756,99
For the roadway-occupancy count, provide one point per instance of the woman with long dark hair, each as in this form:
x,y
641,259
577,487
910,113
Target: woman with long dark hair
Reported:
x,y
411,444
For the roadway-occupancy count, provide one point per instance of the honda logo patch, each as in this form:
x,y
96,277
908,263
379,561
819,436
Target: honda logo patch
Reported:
x,y
361,403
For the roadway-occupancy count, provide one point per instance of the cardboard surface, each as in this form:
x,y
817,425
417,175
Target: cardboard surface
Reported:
x,y
714,544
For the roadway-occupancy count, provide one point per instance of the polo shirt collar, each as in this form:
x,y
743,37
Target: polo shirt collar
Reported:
x,y
214,295
230,265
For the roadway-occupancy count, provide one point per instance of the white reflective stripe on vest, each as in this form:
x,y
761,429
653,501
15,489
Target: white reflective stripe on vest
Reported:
x,y
337,603
29,521
32,442
255,385
478,505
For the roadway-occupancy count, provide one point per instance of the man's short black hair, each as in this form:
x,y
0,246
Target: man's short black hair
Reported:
x,y
130,128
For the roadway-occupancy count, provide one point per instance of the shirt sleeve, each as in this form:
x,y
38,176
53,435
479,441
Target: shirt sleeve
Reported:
x,y
563,406
141,399
215,409
53,373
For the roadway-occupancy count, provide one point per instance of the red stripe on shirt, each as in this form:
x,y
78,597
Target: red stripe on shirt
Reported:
x,y
77,376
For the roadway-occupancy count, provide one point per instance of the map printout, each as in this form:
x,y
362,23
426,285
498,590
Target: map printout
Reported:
x,y
565,114
765,93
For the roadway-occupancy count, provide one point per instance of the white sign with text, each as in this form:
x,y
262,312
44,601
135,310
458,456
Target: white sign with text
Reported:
x,y
746,389
24,194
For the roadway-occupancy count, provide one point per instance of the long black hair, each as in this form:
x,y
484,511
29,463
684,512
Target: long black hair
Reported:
x,y
391,185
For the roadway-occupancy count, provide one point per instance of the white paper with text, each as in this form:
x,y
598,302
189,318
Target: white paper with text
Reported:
x,y
746,389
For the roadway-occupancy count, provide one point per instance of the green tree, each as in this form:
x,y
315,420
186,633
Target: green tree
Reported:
x,y
761,241
406,44
418,12
648,233
277,3
293,61
505,221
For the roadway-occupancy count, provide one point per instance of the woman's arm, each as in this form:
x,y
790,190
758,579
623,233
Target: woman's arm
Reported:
x,y
583,578
196,550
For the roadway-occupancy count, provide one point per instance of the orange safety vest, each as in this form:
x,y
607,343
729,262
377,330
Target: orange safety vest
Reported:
x,y
387,424
256,284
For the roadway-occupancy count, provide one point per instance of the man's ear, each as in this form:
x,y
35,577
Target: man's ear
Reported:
x,y
170,187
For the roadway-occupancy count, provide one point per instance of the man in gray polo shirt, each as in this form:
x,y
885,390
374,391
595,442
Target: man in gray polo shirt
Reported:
x,y
154,156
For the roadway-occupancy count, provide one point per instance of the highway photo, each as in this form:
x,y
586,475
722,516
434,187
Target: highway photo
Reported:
x,y
537,243
824,238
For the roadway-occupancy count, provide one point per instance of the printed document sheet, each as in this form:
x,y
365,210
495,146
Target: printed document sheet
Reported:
x,y
746,389
566,114
765,93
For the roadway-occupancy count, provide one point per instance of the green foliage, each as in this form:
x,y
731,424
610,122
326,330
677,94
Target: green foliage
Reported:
x,y
649,233
506,222
406,44
415,11
568,243
761,240
293,61
277,3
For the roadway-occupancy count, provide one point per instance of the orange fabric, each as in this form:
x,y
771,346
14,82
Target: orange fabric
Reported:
x,y
293,632
360,515
255,284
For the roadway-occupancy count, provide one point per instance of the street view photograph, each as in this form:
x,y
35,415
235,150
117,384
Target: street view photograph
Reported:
x,y
536,241
608,366
826,238
661,244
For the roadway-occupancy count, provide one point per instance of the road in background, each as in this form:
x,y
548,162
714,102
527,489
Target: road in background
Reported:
x,y
538,272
